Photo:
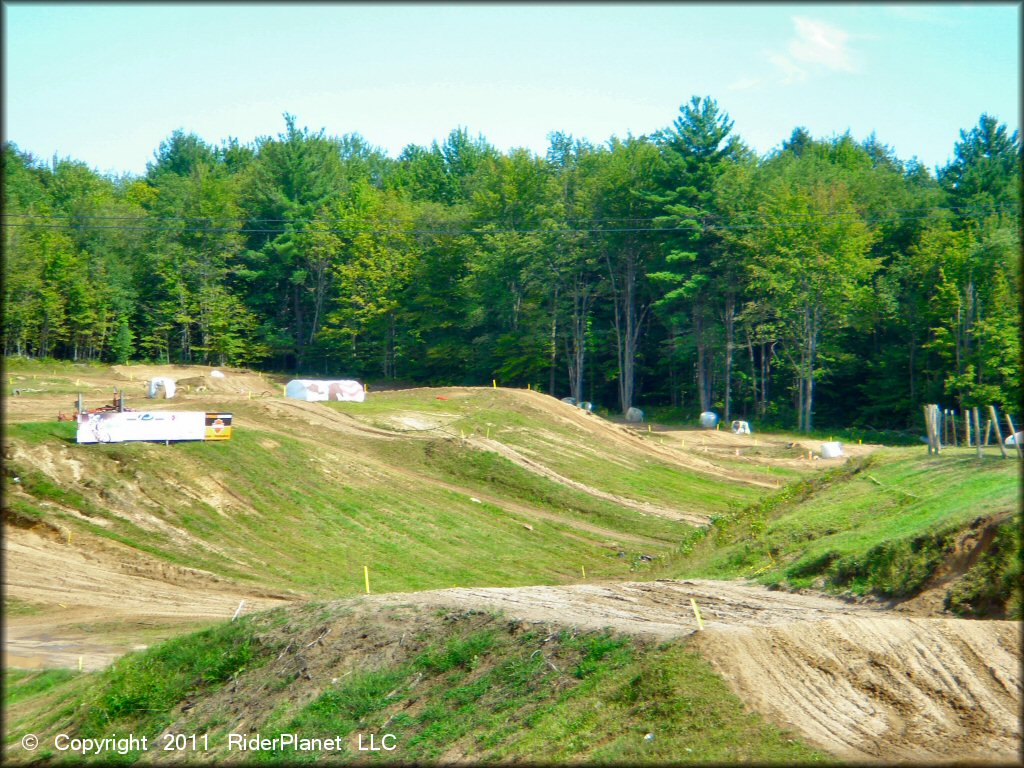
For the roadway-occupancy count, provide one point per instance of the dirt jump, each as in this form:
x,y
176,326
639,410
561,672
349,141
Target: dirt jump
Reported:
x,y
860,682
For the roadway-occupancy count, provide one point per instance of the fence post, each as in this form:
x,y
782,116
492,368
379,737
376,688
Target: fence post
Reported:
x,y
977,429
999,434
1013,431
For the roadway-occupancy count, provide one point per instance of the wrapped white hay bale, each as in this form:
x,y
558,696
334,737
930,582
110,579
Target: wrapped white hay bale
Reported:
x,y
709,419
740,428
831,450
634,415
161,382
217,374
311,390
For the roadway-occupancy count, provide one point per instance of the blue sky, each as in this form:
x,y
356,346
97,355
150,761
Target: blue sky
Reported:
x,y
107,83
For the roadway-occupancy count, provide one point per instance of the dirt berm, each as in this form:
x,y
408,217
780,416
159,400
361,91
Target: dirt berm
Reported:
x,y
858,681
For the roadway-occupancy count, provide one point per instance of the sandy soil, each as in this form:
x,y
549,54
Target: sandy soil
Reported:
x,y
917,690
93,593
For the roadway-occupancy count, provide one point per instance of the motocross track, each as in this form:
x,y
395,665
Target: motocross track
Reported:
x,y
861,681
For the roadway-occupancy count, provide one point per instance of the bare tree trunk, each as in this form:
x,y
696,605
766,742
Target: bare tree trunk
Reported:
x,y
554,341
730,318
753,367
702,368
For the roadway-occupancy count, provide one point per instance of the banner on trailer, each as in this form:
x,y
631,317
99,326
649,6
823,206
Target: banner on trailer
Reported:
x,y
117,427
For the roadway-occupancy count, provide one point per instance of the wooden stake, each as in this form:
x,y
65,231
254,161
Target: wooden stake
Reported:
x,y
977,430
1013,431
696,612
929,430
988,431
999,434
952,418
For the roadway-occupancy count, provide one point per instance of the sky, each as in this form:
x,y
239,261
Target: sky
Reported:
x,y
106,83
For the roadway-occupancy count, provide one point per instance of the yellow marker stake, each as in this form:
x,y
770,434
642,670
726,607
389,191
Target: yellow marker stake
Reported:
x,y
696,612
648,429
366,578
284,389
528,385
249,395
488,433
494,383
79,663
584,569
366,388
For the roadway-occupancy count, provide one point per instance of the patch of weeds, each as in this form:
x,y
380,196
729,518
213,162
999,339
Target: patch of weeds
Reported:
x,y
457,652
895,568
992,586
141,689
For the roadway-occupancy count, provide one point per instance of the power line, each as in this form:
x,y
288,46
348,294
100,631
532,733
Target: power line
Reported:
x,y
709,224
77,219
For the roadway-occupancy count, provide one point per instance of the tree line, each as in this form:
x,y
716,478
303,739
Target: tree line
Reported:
x,y
825,283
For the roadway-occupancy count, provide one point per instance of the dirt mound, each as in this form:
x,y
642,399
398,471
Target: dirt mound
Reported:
x,y
921,690
856,681
199,378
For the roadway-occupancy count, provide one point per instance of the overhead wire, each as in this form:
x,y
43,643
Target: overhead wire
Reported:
x,y
705,224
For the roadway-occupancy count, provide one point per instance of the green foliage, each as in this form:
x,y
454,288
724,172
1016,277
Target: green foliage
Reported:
x,y
140,690
826,283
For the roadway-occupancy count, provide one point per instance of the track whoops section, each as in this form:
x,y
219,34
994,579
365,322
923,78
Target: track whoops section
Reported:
x,y
854,680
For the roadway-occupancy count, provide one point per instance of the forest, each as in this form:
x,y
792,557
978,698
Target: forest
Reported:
x,y
826,283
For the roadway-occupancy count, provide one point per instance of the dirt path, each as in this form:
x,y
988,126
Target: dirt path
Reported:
x,y
660,609
92,594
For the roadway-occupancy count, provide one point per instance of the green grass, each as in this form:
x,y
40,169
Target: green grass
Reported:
x,y
880,524
290,515
138,691
21,684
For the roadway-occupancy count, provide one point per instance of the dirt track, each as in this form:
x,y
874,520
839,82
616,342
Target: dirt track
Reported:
x,y
862,682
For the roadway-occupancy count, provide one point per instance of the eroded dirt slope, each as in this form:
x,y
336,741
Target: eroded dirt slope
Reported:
x,y
882,688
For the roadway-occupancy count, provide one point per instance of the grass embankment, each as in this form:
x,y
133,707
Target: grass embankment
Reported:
x,y
559,444
291,512
886,524
467,685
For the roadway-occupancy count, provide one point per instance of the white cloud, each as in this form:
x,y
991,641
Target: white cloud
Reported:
x,y
819,43
744,84
790,71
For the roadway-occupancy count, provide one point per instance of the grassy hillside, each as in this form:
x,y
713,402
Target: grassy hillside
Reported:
x,y
447,686
303,498
886,524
